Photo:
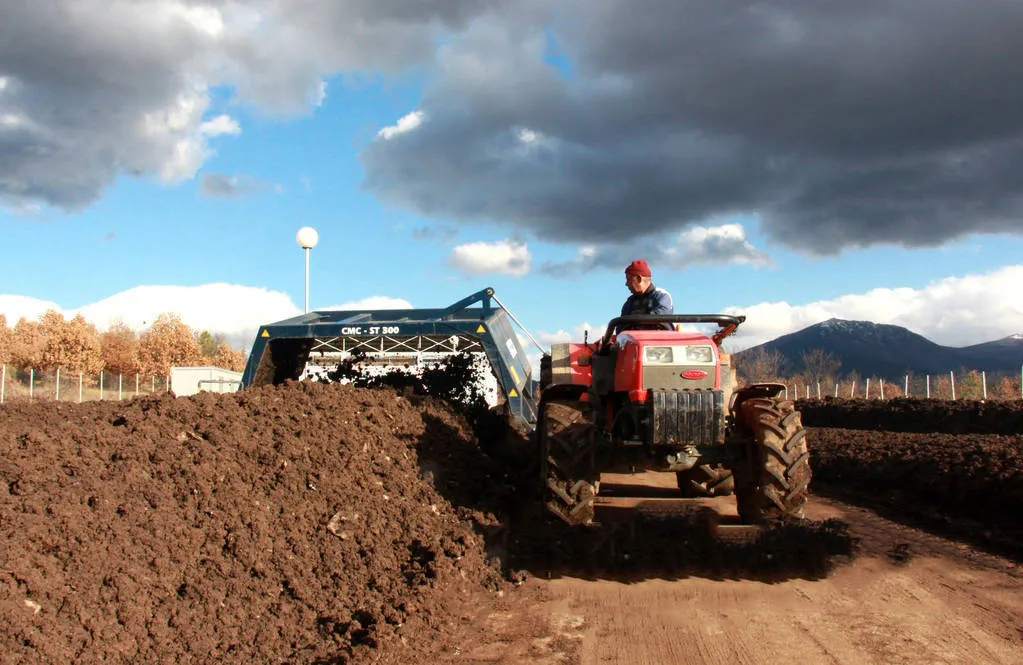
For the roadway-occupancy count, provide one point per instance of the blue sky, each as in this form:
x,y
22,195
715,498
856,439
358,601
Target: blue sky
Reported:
x,y
415,214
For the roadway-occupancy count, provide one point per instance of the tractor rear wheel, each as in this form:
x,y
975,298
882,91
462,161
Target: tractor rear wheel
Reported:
x,y
705,480
777,479
568,450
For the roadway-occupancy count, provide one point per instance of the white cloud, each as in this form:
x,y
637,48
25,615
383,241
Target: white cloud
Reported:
x,y
405,124
373,302
726,244
232,310
504,257
955,311
529,136
220,125
577,334
17,307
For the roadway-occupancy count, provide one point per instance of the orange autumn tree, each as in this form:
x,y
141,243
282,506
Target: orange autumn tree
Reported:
x,y
120,347
71,346
168,343
6,340
229,358
26,344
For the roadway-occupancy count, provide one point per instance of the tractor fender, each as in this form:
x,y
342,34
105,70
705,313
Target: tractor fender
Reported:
x,y
752,391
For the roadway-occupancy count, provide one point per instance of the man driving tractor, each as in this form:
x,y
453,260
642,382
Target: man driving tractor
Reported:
x,y
645,298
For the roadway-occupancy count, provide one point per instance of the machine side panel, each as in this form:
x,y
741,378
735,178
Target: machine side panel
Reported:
x,y
571,364
510,365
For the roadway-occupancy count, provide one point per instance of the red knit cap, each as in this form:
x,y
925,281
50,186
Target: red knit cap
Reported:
x,y
638,267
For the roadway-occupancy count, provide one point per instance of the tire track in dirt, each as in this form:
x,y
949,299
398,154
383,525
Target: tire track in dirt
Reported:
x,y
909,597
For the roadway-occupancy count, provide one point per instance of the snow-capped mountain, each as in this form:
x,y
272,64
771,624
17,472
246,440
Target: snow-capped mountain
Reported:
x,y
878,349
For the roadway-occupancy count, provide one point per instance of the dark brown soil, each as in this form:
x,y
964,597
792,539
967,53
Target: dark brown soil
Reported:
x,y
287,524
915,415
966,484
321,523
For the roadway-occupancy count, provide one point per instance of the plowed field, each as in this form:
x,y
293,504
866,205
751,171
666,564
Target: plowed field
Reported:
x,y
328,524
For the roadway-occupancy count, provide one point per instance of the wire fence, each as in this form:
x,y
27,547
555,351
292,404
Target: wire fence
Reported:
x,y
965,385
63,386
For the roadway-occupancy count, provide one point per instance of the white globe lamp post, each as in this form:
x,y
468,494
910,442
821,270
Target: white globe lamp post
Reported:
x,y
307,237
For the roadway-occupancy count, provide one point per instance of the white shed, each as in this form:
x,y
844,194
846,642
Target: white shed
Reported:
x,y
191,380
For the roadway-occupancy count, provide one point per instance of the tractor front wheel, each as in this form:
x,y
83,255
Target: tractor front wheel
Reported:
x,y
568,449
776,480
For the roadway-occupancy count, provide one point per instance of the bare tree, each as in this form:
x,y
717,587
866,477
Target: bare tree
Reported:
x,y
819,365
760,365
1006,388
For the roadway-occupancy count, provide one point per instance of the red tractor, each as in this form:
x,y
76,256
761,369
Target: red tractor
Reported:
x,y
663,400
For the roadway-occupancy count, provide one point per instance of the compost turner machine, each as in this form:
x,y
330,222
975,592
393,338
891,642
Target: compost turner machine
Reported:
x,y
405,339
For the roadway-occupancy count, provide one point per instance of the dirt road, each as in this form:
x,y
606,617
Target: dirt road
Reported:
x,y
907,597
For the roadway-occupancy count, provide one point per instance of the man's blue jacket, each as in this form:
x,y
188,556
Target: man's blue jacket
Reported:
x,y
651,301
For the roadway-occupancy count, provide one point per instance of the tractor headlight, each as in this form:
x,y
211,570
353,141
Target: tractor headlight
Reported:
x,y
658,355
699,354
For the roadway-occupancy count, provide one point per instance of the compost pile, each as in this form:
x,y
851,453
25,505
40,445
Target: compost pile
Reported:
x,y
282,524
940,462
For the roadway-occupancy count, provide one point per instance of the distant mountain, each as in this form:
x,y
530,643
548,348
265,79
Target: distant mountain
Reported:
x,y
887,351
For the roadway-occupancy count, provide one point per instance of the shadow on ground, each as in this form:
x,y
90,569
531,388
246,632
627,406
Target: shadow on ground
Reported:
x,y
496,484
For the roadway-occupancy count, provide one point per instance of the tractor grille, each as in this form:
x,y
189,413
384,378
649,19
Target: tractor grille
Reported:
x,y
687,417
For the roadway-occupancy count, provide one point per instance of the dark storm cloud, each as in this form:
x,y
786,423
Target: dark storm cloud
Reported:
x,y
837,124
439,234
220,186
93,89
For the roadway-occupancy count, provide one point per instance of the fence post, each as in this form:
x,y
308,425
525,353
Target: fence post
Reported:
x,y
928,386
866,395
79,387
818,390
836,389
101,386
852,390
795,390
905,391
983,384
152,388
952,380
882,389
56,397
31,384
3,382
136,384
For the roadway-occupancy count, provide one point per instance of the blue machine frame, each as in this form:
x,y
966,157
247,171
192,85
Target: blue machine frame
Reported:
x,y
282,349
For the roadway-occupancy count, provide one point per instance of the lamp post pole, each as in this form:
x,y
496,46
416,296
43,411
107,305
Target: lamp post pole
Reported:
x,y
307,239
307,280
